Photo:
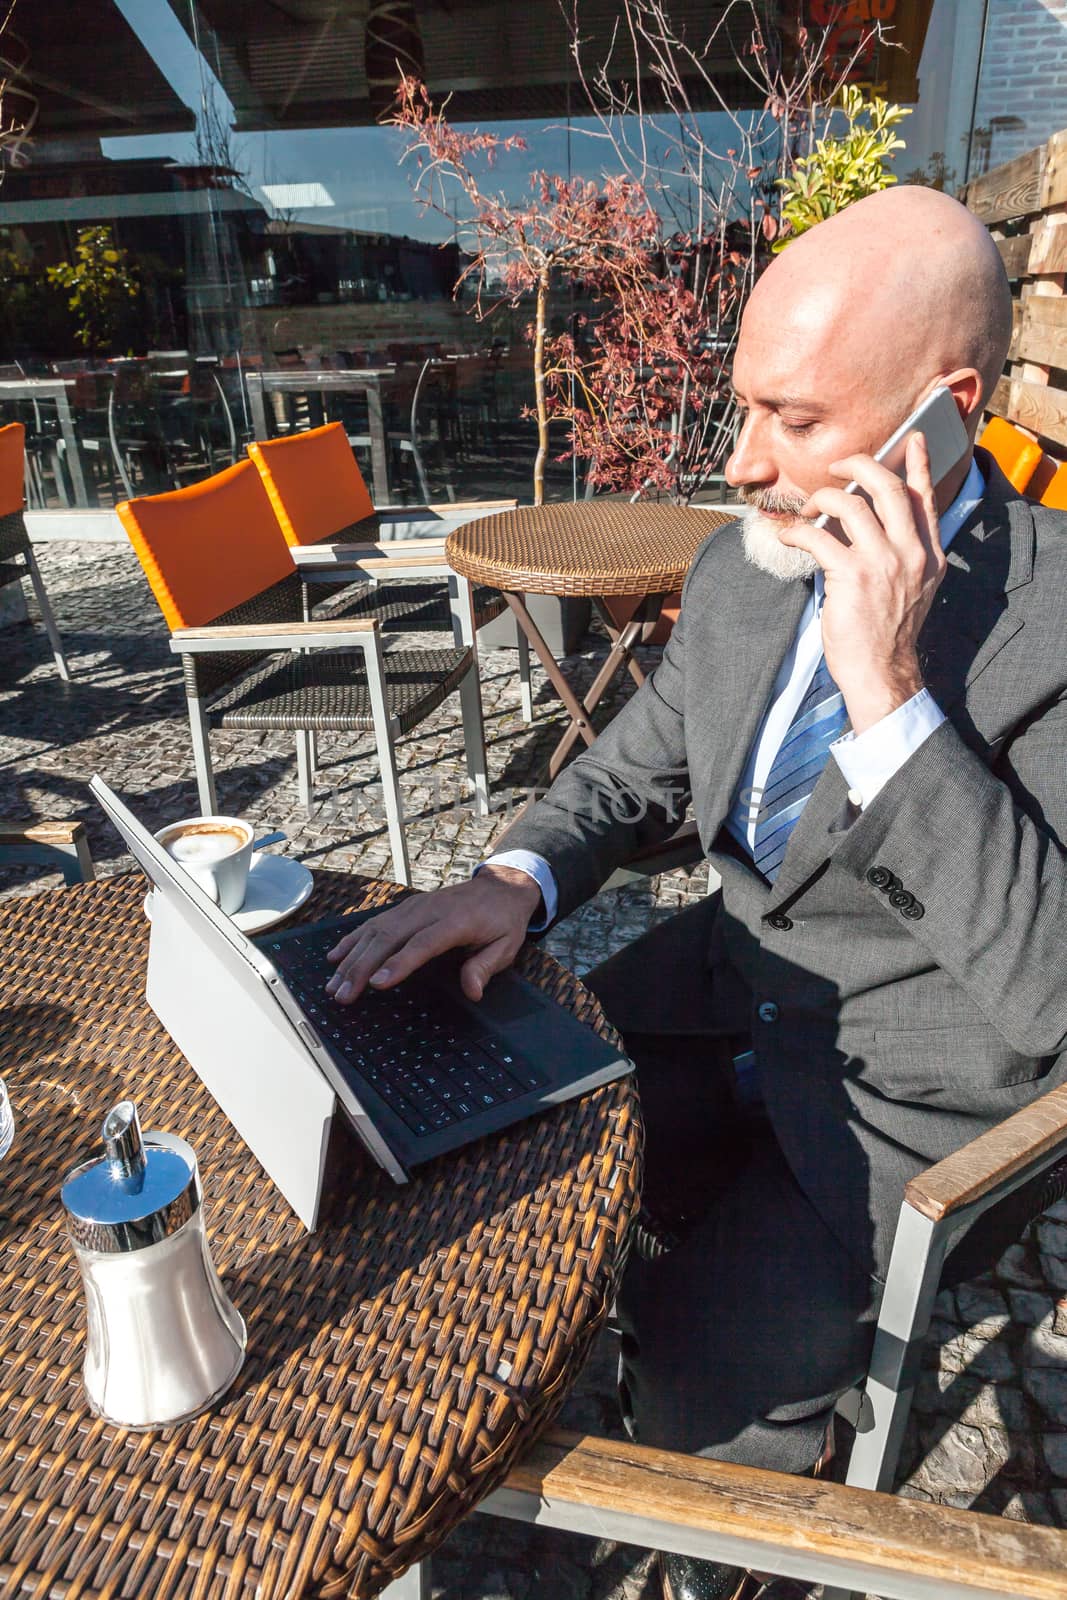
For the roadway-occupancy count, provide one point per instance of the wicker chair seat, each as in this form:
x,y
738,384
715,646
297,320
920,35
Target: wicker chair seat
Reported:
x,y
13,536
414,606
329,692
11,572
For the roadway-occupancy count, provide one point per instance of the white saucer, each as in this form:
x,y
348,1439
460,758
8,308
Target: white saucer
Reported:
x,y
277,885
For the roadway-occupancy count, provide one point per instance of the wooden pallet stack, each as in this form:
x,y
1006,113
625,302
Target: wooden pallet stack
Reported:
x,y
1024,205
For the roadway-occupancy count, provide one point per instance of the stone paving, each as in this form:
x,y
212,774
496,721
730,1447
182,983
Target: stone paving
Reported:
x,y
989,1425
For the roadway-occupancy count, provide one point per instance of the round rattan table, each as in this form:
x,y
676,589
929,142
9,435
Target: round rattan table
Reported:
x,y
399,1359
601,549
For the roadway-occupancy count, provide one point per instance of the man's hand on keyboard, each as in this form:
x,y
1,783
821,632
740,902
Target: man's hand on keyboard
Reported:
x,y
487,916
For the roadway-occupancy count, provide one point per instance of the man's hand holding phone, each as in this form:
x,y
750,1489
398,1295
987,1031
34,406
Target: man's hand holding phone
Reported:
x,y
881,584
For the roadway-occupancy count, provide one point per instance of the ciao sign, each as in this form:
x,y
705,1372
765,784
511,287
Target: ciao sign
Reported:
x,y
848,21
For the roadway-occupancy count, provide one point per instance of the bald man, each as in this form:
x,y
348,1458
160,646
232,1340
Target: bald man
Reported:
x,y
870,727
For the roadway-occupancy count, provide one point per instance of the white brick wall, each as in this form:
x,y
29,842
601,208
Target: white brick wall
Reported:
x,y
1022,92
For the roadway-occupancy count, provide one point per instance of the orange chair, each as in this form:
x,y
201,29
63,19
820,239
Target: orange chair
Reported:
x,y
1015,453
329,521
17,559
252,659
1049,483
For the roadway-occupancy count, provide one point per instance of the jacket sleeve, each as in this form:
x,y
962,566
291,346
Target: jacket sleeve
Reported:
x,y
628,790
980,853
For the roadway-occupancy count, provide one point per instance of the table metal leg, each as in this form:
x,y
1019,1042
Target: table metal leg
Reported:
x,y
379,454
74,464
579,721
256,406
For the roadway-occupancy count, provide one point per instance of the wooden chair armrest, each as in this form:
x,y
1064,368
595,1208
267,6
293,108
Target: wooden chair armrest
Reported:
x,y
802,1527
57,844
988,1161
372,558
47,833
274,636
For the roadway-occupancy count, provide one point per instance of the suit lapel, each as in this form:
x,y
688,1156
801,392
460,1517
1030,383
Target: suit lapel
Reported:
x,y
969,624
756,619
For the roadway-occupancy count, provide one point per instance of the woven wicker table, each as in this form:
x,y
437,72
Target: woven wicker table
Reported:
x,y
399,1360
594,548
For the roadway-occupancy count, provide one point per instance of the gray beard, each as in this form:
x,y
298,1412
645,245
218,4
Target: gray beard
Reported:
x,y
764,549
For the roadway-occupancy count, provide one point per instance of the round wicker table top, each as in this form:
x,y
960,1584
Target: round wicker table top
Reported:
x,y
399,1359
589,547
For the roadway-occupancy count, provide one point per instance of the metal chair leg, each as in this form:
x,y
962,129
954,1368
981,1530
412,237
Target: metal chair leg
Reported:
x,y
413,1585
461,604
305,767
919,1248
46,615
205,778
525,687
384,738
470,699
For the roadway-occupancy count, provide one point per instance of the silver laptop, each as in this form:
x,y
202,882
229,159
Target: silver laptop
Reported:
x,y
417,1070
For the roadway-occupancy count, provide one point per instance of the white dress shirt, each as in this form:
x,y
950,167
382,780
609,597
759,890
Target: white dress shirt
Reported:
x,y
867,760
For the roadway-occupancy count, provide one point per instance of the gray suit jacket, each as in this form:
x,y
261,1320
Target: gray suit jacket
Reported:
x,y
904,978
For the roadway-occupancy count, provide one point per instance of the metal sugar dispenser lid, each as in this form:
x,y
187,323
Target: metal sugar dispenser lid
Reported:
x,y
135,1195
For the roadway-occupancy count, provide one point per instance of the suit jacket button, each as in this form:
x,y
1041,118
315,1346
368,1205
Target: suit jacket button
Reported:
x,y
901,900
915,911
881,878
768,1011
780,921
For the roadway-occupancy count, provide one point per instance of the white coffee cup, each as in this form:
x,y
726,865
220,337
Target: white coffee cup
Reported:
x,y
217,852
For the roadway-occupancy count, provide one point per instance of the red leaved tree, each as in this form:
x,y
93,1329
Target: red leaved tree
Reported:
x,y
663,253
592,232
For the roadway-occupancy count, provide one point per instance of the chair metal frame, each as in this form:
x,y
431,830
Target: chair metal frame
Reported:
x,y
1028,1148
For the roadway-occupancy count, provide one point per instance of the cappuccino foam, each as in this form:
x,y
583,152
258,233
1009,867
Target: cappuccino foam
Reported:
x,y
202,844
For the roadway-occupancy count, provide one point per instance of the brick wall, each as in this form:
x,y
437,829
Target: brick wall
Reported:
x,y
1022,92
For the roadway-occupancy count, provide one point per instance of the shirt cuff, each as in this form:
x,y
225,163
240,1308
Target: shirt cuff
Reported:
x,y
869,759
535,867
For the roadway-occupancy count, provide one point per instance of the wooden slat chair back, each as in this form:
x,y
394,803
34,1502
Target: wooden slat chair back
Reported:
x,y
224,579
17,559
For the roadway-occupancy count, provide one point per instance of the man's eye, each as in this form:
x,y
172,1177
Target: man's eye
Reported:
x,y
797,427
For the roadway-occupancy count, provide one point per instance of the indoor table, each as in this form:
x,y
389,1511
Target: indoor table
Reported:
x,y
399,1359
602,549
53,389
348,380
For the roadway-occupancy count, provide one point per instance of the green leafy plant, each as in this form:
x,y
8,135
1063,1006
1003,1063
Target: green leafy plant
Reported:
x,y
101,283
842,169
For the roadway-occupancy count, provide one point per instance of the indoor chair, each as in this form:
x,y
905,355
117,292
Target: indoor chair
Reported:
x,y
225,582
321,500
17,559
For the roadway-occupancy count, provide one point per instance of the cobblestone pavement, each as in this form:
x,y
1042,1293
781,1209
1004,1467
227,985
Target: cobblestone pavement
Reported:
x,y
989,1425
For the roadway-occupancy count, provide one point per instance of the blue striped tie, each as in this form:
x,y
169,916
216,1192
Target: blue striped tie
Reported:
x,y
819,720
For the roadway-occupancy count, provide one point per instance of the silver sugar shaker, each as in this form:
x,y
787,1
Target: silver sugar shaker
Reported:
x,y
164,1340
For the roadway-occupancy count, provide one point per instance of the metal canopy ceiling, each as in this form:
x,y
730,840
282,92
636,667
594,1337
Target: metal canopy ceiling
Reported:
x,y
300,63
90,74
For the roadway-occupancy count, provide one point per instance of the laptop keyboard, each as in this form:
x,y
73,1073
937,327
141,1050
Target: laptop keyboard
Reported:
x,y
418,1049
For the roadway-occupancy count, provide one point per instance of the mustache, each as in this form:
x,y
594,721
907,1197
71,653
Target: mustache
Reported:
x,y
770,500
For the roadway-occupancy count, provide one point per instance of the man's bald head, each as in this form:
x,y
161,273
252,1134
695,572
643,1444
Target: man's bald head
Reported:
x,y
845,333
907,283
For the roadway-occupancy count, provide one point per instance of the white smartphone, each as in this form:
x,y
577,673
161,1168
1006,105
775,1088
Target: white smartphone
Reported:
x,y
938,420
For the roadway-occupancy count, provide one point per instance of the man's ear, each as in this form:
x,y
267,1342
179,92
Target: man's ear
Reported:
x,y
967,391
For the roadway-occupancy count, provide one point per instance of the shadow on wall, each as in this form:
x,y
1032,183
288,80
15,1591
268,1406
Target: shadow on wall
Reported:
x,y
1021,96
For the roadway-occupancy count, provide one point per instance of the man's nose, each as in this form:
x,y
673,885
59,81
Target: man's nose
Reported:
x,y
749,461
